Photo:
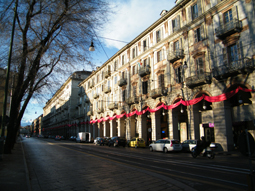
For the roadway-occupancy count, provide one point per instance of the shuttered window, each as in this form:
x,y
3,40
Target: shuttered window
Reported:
x,y
194,11
161,81
178,75
134,91
200,66
159,56
124,95
158,36
145,87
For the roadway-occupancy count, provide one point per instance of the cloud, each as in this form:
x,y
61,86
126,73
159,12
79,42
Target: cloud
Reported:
x,y
132,18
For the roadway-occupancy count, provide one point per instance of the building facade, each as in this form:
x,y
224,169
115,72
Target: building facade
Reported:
x,y
178,79
198,48
60,112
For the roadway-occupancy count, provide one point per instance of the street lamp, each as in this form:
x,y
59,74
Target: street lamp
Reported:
x,y
91,48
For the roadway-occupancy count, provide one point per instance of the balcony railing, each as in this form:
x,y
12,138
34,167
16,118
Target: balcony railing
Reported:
x,y
143,71
233,68
90,113
122,82
113,106
157,92
96,95
175,55
87,100
229,28
107,89
107,73
198,79
132,100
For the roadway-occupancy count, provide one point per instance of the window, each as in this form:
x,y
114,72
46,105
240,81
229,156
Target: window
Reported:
x,y
176,45
161,81
145,87
134,52
134,91
134,70
158,36
144,62
124,95
108,100
115,66
144,45
97,78
116,98
200,66
197,35
178,74
232,54
194,11
123,59
159,56
228,16
174,22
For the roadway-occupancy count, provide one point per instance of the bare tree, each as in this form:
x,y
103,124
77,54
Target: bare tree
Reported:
x,y
51,36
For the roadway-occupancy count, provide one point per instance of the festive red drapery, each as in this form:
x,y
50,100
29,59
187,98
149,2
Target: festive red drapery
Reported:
x,y
218,98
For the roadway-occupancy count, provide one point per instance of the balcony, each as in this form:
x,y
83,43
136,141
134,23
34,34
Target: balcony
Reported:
x,y
132,100
107,73
122,82
229,28
233,68
198,79
107,89
157,92
175,55
86,100
90,113
143,71
113,106
96,95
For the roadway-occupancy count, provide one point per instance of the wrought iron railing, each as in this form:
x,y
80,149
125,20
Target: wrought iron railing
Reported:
x,y
143,71
107,89
132,100
157,92
113,106
198,79
122,82
228,28
175,55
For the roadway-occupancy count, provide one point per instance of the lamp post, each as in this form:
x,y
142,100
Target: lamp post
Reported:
x,y
7,82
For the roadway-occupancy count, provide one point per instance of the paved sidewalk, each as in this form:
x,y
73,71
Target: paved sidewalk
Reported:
x,y
13,170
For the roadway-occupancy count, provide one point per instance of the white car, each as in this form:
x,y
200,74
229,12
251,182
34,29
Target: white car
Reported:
x,y
166,145
188,145
95,140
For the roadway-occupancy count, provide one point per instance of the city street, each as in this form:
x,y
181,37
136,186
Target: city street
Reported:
x,y
66,165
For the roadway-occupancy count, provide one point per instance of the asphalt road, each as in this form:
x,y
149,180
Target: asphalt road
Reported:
x,y
66,165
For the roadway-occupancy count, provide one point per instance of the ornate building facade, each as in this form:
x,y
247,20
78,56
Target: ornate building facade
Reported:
x,y
178,79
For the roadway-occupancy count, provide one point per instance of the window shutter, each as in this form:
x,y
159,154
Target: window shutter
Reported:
x,y
180,43
191,37
239,50
189,14
195,36
171,26
202,34
235,12
178,24
225,57
199,7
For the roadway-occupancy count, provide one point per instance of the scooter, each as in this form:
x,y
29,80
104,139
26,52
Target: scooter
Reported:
x,y
205,152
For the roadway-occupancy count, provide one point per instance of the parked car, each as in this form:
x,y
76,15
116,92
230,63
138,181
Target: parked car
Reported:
x,y
117,141
166,145
106,140
62,137
100,141
57,138
189,145
136,142
72,138
95,140
40,136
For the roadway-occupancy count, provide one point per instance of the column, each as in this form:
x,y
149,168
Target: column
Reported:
x,y
170,124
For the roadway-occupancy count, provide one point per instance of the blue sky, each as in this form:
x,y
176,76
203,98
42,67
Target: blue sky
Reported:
x,y
132,18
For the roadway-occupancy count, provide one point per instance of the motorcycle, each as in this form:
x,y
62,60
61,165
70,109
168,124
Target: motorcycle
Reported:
x,y
203,151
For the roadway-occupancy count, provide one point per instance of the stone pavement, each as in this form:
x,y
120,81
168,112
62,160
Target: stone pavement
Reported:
x,y
14,174
13,170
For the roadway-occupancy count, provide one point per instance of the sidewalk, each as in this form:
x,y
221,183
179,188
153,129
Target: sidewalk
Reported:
x,y
13,170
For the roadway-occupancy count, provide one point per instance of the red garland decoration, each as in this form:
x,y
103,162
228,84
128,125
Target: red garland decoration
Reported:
x,y
218,98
